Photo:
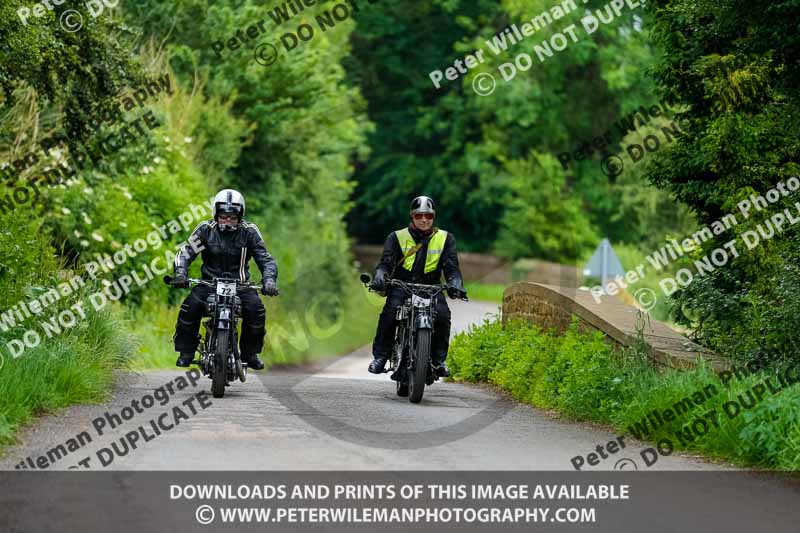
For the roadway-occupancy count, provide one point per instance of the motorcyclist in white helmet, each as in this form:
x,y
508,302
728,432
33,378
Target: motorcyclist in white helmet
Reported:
x,y
228,242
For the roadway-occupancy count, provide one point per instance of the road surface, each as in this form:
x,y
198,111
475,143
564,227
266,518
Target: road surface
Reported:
x,y
334,416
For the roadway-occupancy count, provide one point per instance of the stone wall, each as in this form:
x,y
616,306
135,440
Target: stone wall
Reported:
x,y
553,307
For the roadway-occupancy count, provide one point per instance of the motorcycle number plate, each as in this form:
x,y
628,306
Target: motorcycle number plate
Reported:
x,y
226,289
418,301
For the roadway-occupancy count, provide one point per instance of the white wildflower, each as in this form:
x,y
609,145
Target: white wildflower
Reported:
x,y
123,224
96,236
65,210
187,140
157,160
85,243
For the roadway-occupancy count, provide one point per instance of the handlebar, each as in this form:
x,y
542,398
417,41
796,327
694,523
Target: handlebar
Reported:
x,y
193,281
409,287
419,286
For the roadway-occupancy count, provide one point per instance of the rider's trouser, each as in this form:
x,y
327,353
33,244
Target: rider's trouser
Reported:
x,y
384,336
191,314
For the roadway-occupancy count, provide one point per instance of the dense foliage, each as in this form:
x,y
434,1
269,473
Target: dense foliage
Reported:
x,y
286,136
733,65
485,159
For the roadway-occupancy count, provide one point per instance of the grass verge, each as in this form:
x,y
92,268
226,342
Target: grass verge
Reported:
x,y
485,292
747,420
75,367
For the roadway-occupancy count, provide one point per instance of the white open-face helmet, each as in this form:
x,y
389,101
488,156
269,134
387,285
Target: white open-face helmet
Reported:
x,y
422,204
228,202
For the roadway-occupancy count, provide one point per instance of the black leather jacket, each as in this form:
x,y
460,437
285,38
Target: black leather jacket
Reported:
x,y
448,263
226,254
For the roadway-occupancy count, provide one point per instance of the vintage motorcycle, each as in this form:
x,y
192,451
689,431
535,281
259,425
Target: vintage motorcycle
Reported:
x,y
219,347
410,361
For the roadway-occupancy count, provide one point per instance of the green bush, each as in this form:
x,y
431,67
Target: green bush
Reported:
x,y
741,92
579,375
573,373
74,367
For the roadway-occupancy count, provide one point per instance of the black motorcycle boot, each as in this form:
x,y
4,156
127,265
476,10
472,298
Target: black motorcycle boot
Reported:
x,y
439,367
377,365
442,371
185,359
253,361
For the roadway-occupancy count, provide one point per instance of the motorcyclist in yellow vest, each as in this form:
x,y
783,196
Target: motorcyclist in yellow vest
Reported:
x,y
437,255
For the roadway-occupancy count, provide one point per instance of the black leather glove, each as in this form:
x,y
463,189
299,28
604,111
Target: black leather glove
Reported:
x,y
269,287
455,287
455,293
180,280
379,281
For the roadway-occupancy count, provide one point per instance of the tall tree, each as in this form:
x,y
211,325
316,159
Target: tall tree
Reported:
x,y
451,143
734,66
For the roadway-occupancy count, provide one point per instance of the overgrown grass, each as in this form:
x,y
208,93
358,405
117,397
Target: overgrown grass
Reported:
x,y
485,292
582,377
75,367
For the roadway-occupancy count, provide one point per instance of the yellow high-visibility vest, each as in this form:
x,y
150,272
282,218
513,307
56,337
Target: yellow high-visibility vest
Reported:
x,y
435,248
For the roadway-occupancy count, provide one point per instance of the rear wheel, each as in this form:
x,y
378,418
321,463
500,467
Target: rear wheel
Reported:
x,y
218,379
416,382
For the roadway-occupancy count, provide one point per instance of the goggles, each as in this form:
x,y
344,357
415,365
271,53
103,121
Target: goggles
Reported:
x,y
420,216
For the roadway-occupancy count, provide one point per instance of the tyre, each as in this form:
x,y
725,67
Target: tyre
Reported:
x,y
416,381
219,379
402,389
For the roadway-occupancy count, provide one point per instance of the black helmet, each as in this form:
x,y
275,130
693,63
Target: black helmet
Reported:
x,y
422,204
228,202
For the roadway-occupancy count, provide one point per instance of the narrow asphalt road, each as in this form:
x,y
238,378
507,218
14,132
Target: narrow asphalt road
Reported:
x,y
334,416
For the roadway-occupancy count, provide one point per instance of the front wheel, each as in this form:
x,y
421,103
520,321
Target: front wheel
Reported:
x,y
219,378
416,382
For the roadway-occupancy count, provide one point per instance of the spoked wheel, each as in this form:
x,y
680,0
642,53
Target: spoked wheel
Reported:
x,y
218,379
416,381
